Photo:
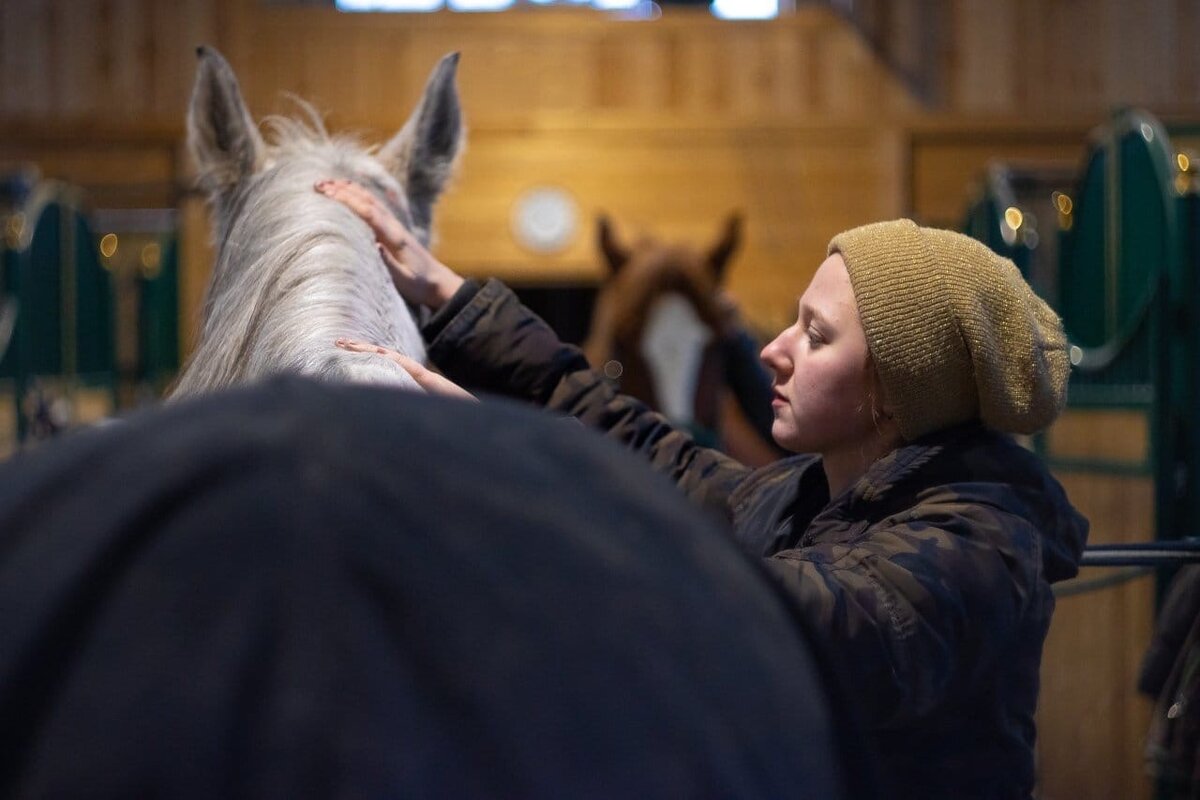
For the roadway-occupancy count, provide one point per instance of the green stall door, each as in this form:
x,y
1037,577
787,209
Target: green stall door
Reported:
x,y
1118,263
63,335
158,314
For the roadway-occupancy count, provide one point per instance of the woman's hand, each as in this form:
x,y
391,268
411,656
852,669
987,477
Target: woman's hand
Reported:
x,y
419,277
427,379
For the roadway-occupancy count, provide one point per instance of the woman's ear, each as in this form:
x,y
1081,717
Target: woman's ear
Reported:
x,y
882,411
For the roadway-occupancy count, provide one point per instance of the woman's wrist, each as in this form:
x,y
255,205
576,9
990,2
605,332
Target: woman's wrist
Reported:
x,y
443,288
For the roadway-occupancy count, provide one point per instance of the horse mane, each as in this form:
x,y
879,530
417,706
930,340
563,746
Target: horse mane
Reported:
x,y
292,254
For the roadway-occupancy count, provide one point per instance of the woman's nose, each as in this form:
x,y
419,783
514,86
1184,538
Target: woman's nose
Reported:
x,y
770,354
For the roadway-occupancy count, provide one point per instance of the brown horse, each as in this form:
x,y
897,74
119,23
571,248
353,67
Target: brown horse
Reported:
x,y
662,329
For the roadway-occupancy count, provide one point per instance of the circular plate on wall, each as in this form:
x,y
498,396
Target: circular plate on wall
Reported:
x,y
545,219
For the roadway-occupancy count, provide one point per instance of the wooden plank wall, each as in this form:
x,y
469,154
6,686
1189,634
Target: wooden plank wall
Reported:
x,y
667,126
1072,56
1091,721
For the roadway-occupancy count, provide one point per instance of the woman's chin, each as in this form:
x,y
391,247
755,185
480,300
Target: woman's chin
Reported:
x,y
787,437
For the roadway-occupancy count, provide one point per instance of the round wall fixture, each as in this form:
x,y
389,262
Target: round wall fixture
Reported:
x,y
545,219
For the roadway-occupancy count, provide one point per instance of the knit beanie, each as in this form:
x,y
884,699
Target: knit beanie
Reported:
x,y
955,331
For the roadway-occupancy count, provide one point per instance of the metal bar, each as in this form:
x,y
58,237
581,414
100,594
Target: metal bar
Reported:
x,y
1146,554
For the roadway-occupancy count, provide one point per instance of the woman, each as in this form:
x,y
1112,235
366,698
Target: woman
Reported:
x,y
911,532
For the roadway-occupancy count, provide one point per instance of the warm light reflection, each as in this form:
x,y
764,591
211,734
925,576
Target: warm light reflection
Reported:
x,y
1064,205
1013,216
1183,161
108,245
151,259
15,227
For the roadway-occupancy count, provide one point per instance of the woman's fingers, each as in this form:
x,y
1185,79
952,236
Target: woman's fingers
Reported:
x,y
427,379
355,346
418,276
406,281
366,205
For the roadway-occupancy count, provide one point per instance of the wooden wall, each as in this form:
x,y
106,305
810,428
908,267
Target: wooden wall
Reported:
x,y
1055,57
1091,722
668,126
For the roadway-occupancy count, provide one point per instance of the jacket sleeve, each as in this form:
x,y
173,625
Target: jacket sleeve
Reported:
x,y
486,340
916,610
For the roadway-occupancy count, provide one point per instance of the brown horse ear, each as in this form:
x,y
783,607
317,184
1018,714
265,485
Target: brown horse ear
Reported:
x,y
615,254
718,257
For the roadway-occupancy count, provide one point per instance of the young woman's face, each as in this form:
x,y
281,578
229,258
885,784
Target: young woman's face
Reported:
x,y
823,382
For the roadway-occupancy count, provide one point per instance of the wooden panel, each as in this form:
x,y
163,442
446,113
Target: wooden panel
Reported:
x,y
1091,722
1146,65
562,60
796,187
116,172
1101,434
1186,32
948,159
117,61
984,32
104,59
28,63
195,266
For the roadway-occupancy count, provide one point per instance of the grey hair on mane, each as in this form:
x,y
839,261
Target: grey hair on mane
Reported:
x,y
295,270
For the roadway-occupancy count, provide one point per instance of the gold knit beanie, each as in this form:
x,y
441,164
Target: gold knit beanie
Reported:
x,y
955,331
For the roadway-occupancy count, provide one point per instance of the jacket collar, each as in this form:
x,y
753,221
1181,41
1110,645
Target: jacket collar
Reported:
x,y
877,485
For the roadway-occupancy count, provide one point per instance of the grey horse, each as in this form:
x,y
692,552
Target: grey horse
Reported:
x,y
294,270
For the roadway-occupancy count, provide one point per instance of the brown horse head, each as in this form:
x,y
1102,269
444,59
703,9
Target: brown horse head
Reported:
x,y
658,323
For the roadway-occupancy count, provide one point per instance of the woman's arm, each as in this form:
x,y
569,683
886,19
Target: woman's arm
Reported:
x,y
483,338
486,339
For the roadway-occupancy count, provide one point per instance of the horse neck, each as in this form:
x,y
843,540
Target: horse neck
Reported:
x,y
284,235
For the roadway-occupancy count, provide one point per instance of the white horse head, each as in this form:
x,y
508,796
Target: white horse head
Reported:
x,y
295,270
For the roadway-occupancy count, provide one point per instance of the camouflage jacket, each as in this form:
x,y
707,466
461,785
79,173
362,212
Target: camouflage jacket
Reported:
x,y
929,579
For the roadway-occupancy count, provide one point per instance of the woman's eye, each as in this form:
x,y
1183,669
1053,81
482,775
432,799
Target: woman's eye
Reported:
x,y
814,337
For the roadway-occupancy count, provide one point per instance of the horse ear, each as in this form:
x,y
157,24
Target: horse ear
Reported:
x,y
615,254
221,135
422,155
718,257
